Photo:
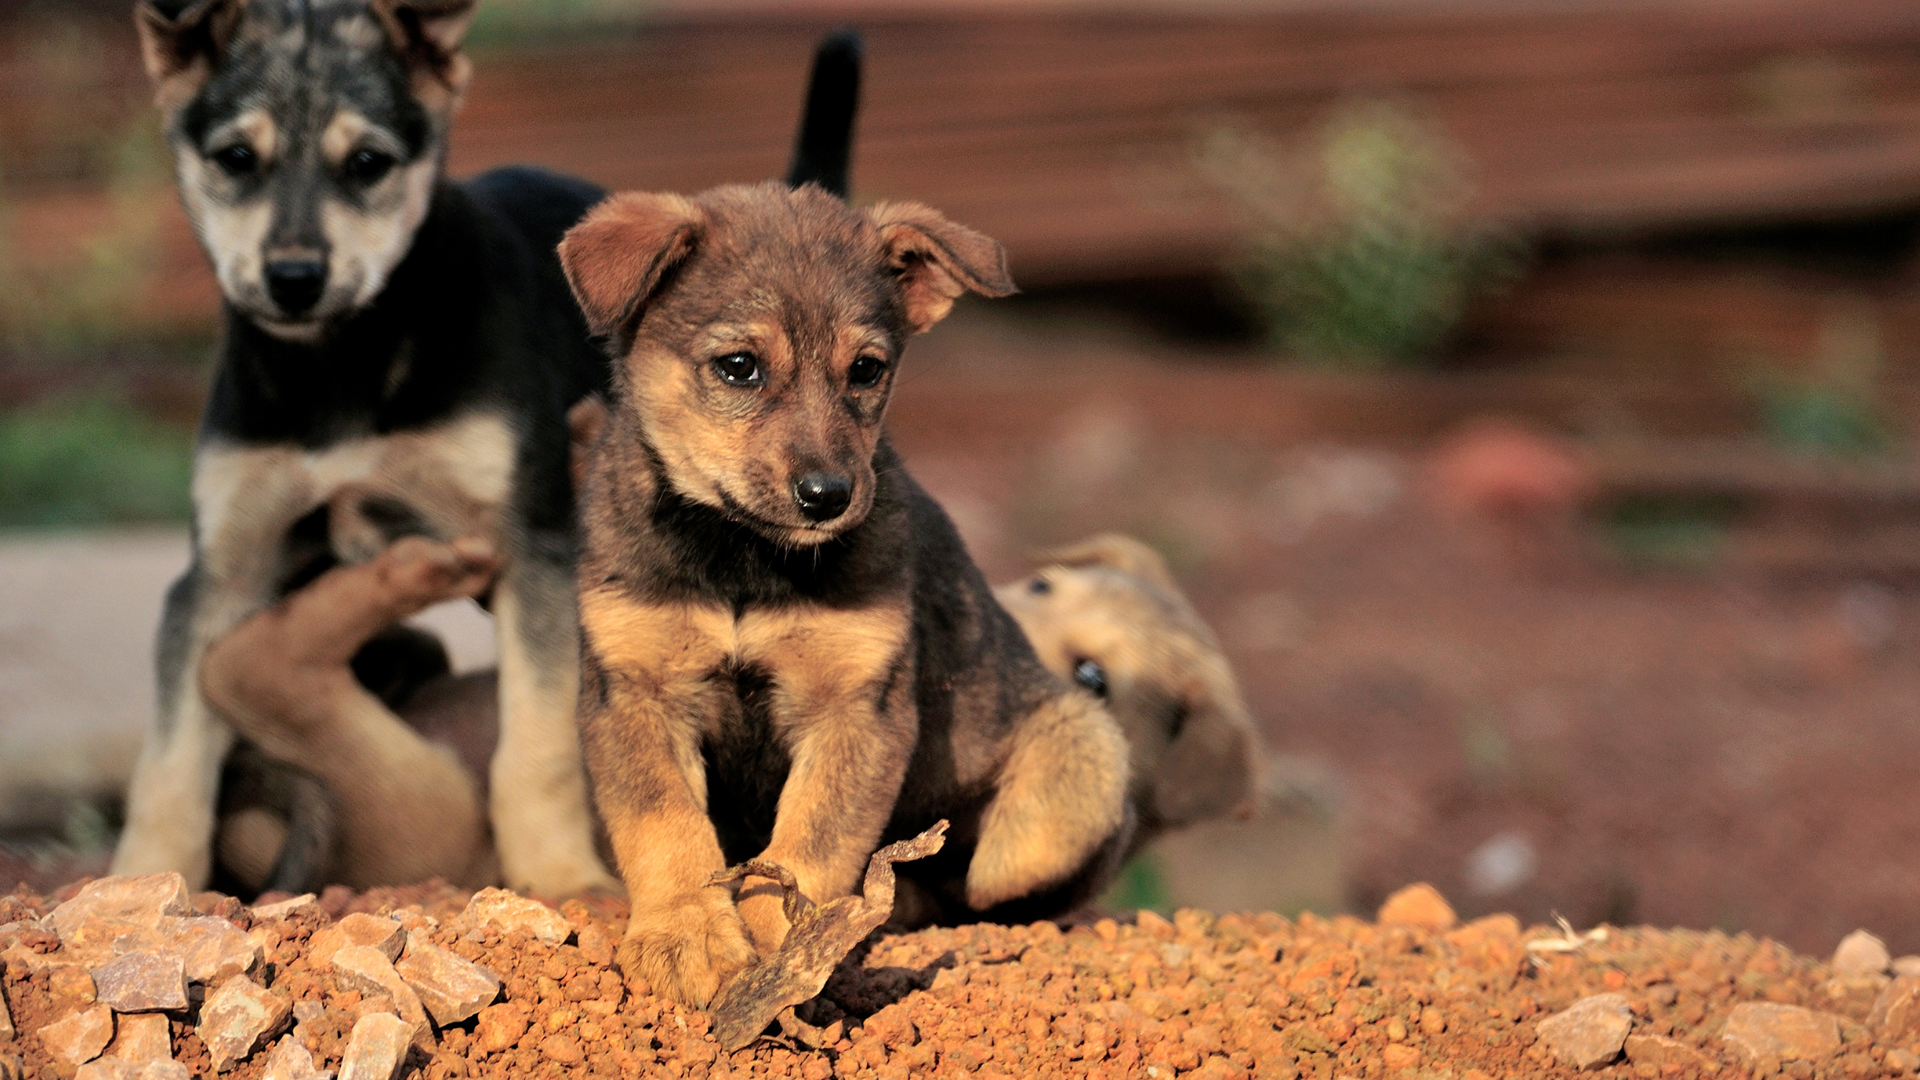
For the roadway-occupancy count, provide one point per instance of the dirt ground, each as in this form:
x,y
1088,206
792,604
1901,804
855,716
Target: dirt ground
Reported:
x,y
1412,994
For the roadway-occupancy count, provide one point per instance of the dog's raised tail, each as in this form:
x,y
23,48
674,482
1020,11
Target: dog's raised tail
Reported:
x,y
822,152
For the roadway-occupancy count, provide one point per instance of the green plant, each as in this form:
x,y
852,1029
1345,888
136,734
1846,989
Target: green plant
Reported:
x,y
1834,409
1667,532
503,24
91,462
1361,248
1140,885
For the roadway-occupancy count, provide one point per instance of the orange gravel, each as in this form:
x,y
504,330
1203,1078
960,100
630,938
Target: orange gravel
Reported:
x,y
1210,997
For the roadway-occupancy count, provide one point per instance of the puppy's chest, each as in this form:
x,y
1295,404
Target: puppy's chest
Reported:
x,y
770,662
451,479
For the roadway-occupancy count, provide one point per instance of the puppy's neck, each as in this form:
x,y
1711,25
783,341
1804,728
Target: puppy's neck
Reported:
x,y
688,549
385,365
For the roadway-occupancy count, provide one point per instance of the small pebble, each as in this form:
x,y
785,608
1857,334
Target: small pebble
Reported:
x,y
1860,953
1419,905
1590,1033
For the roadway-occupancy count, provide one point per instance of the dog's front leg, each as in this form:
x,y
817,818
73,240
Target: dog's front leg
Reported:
x,y
176,781
842,704
646,692
245,499
1061,795
542,827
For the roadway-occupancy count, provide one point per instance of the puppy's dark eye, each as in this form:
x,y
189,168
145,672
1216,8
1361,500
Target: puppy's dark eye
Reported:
x,y
236,160
866,372
1039,586
1091,675
739,369
367,166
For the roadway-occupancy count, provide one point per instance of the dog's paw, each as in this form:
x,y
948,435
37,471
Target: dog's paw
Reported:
x,y
687,950
761,905
415,572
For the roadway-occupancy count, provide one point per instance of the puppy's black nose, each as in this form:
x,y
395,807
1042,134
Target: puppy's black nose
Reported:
x,y
296,284
822,496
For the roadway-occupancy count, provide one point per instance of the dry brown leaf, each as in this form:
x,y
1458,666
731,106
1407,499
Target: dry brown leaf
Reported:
x,y
820,937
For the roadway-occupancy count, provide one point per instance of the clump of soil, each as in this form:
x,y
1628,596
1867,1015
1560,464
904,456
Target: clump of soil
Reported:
x,y
1413,994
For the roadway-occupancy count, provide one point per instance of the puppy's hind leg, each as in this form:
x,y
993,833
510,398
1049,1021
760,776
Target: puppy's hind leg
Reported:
x,y
541,823
1061,796
405,808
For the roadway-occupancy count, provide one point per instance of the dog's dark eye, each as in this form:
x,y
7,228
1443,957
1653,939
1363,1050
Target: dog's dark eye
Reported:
x,y
1091,675
236,160
367,166
1039,586
865,372
739,369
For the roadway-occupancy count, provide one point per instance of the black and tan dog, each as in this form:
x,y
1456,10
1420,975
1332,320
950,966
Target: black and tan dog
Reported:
x,y
787,652
390,337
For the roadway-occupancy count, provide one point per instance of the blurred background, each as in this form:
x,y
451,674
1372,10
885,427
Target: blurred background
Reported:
x,y
1526,392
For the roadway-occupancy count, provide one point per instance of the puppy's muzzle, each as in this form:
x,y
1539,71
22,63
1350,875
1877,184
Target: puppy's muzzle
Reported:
x,y
822,496
296,284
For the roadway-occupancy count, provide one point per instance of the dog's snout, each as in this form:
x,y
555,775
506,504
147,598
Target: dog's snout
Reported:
x,y
822,496
296,284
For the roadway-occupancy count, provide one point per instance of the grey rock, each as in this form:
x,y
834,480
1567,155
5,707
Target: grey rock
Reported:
x,y
150,981
238,1018
142,1037
109,1068
214,949
112,906
304,904
373,931
452,988
377,1048
510,912
1590,1032
1758,1030
366,970
80,1037
1860,953
290,1060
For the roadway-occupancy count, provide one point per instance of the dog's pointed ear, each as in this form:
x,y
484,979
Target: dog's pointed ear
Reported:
x,y
428,34
937,260
617,256
1122,553
181,39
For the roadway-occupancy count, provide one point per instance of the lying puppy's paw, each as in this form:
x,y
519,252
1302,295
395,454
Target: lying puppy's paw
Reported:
x,y
415,572
689,949
761,906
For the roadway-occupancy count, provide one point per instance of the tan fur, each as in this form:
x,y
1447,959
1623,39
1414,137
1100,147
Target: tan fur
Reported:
x,y
368,244
1112,600
1065,779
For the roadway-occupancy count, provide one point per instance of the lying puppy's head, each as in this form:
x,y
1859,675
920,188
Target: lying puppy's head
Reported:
x,y
307,136
1106,613
757,330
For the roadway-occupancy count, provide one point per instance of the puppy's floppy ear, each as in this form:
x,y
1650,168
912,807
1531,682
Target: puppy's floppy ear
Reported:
x,y
618,254
428,34
1122,553
181,39
937,260
1214,765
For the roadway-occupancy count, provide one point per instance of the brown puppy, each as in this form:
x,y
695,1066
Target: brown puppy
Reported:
x,y
1107,613
787,653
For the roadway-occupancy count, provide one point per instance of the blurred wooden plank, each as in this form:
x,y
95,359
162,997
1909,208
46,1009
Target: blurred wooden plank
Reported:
x,y
1068,133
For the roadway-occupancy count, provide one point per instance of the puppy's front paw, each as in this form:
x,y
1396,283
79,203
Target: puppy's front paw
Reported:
x,y
687,950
